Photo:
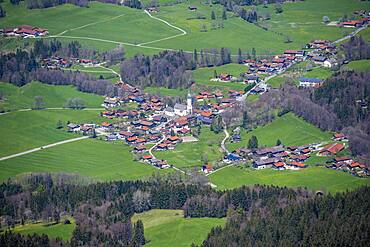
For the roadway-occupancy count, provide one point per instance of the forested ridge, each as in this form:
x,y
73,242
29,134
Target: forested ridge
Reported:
x,y
334,220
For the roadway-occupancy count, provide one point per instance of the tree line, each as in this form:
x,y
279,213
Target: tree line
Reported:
x,y
339,220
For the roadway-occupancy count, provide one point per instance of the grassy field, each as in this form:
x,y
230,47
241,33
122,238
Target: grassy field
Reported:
x,y
320,73
315,178
359,65
202,76
290,129
96,159
189,154
52,230
21,131
169,228
54,96
165,91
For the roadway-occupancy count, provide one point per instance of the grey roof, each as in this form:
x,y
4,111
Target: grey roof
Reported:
x,y
319,58
265,162
313,80
180,107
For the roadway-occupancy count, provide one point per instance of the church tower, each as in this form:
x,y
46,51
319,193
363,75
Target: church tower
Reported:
x,y
189,104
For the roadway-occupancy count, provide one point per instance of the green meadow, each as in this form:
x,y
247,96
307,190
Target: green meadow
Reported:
x,y
96,159
53,230
21,131
166,91
314,178
54,96
359,66
164,228
203,76
290,129
187,155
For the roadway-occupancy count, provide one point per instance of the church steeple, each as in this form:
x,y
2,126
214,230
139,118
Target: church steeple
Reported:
x,y
189,104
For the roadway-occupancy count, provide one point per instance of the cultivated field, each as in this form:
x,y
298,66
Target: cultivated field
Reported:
x,y
188,155
290,129
169,227
53,96
21,131
53,230
315,178
95,159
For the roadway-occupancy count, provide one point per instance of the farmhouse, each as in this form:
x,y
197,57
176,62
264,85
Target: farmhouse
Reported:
x,y
339,137
263,163
355,23
310,82
296,165
225,77
296,53
169,111
279,166
252,79
331,149
207,168
111,102
192,8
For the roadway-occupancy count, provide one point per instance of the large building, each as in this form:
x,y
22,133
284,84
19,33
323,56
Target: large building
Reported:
x,y
183,110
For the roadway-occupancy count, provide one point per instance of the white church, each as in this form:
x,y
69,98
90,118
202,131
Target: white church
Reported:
x,y
181,109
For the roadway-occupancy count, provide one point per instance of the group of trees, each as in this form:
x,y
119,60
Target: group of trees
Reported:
x,y
356,49
41,4
2,12
339,220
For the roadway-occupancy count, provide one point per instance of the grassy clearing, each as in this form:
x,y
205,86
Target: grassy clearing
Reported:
x,y
167,227
359,66
53,230
54,96
96,159
315,178
21,131
189,154
165,91
202,76
290,129
320,73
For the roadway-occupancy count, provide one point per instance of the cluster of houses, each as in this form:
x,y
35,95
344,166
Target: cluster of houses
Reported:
x,y
24,31
347,164
355,23
56,62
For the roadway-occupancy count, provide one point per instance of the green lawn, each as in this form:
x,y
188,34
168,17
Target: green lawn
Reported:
x,y
51,229
315,178
54,96
290,129
359,66
99,160
202,76
169,228
21,131
189,154
320,73
253,97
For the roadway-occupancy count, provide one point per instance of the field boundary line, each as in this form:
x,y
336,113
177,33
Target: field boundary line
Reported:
x,y
43,147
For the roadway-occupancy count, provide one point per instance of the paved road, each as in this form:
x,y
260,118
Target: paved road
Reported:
x,y
354,33
43,147
218,169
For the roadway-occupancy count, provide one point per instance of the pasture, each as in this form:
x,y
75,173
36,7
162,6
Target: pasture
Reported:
x,y
314,178
169,227
54,96
53,230
21,131
290,129
359,66
96,159
203,76
187,155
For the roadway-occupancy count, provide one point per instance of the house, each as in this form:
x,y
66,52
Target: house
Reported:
x,y
204,120
225,77
192,8
346,160
139,149
297,53
232,157
310,82
162,146
111,137
263,163
329,63
339,137
296,165
173,139
73,127
355,23
319,60
147,157
236,138
106,125
252,79
279,166
299,158
331,149
111,102
207,168
152,9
